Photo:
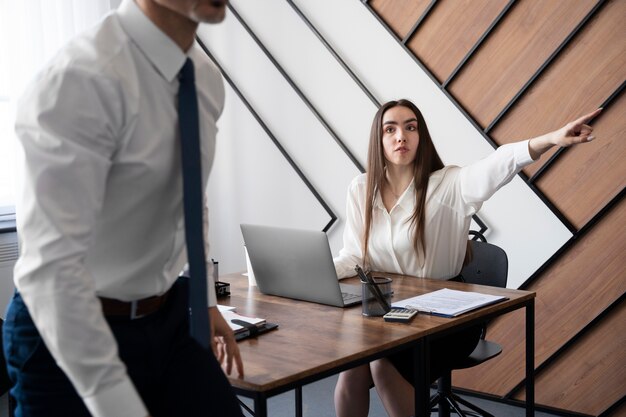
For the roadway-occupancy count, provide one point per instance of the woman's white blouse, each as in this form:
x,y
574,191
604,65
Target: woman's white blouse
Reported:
x,y
454,194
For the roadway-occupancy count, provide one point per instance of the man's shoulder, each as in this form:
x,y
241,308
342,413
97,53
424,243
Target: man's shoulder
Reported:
x,y
209,82
96,52
207,72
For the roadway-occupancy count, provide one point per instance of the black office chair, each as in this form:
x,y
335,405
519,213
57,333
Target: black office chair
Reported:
x,y
489,265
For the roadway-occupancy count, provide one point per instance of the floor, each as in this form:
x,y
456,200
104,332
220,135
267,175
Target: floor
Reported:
x,y
318,402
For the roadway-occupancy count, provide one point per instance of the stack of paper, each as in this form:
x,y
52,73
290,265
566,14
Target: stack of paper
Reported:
x,y
223,308
448,303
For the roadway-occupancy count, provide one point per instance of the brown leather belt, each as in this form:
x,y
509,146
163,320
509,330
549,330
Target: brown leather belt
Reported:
x,y
132,309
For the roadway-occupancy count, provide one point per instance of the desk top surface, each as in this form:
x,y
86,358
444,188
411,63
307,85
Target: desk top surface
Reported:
x,y
313,339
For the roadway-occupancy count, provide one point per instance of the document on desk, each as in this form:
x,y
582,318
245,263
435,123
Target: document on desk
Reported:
x,y
244,326
448,303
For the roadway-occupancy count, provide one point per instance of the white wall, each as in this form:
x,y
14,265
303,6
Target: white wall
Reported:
x,y
250,184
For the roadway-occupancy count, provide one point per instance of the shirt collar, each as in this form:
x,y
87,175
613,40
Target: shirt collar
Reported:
x,y
406,201
160,49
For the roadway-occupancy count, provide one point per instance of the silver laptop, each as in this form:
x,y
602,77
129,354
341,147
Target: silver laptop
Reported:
x,y
296,264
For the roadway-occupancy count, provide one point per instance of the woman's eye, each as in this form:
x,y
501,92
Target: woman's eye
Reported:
x,y
389,130
412,128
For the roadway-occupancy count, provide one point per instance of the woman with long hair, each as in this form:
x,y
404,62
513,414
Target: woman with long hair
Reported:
x,y
410,214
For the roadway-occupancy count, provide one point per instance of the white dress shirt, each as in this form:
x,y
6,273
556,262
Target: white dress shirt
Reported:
x,y
101,211
454,194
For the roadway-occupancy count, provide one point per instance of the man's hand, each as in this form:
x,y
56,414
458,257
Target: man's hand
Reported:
x,y
223,343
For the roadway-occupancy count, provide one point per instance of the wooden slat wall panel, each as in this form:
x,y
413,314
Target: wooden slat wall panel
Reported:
x,y
574,290
513,52
577,82
568,384
400,15
596,170
450,31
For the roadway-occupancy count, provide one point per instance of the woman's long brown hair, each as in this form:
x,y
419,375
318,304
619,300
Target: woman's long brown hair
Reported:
x,y
426,162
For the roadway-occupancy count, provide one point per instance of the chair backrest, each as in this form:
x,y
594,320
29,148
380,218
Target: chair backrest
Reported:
x,y
489,265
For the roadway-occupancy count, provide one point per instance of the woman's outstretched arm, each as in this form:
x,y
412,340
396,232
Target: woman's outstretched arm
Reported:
x,y
572,133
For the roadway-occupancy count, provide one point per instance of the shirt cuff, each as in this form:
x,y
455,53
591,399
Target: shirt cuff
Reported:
x,y
522,153
121,400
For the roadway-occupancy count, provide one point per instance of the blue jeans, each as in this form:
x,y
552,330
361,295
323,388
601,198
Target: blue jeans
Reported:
x,y
173,374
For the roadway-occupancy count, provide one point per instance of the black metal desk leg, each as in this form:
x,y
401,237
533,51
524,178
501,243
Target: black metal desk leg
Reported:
x,y
421,369
530,359
260,405
298,401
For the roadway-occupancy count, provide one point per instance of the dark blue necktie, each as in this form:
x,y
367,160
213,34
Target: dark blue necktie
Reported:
x,y
193,203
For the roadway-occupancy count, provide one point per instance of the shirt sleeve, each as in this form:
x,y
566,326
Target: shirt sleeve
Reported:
x,y
480,180
351,254
67,124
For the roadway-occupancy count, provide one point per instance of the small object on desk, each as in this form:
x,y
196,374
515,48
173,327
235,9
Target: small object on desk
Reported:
x,y
374,287
216,273
222,289
400,315
251,330
244,326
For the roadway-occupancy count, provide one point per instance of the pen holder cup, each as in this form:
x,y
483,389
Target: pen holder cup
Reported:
x,y
371,304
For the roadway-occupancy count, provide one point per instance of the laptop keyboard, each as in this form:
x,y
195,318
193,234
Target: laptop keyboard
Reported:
x,y
349,296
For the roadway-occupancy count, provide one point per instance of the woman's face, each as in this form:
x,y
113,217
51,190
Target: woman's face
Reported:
x,y
400,136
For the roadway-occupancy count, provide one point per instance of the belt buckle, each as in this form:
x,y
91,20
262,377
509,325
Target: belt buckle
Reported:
x,y
133,310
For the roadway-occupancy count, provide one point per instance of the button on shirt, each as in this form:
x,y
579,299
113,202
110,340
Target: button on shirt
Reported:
x,y
101,211
454,194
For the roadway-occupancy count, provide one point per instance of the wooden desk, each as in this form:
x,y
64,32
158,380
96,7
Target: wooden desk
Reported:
x,y
314,341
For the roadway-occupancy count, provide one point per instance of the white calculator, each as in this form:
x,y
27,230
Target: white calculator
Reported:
x,y
402,315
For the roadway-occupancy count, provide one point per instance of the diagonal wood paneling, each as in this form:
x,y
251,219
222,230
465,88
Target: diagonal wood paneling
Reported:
x,y
512,54
571,384
400,15
580,80
451,31
574,290
596,170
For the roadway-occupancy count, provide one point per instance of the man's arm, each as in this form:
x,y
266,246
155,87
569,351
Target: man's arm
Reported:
x,y
223,340
66,124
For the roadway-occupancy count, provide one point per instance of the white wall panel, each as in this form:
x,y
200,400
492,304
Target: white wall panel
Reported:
x,y
251,182
314,70
299,131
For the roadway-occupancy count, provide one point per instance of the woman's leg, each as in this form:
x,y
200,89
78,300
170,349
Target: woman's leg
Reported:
x,y
352,393
395,392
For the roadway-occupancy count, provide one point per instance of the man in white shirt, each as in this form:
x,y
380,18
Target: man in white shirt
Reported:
x,y
99,324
